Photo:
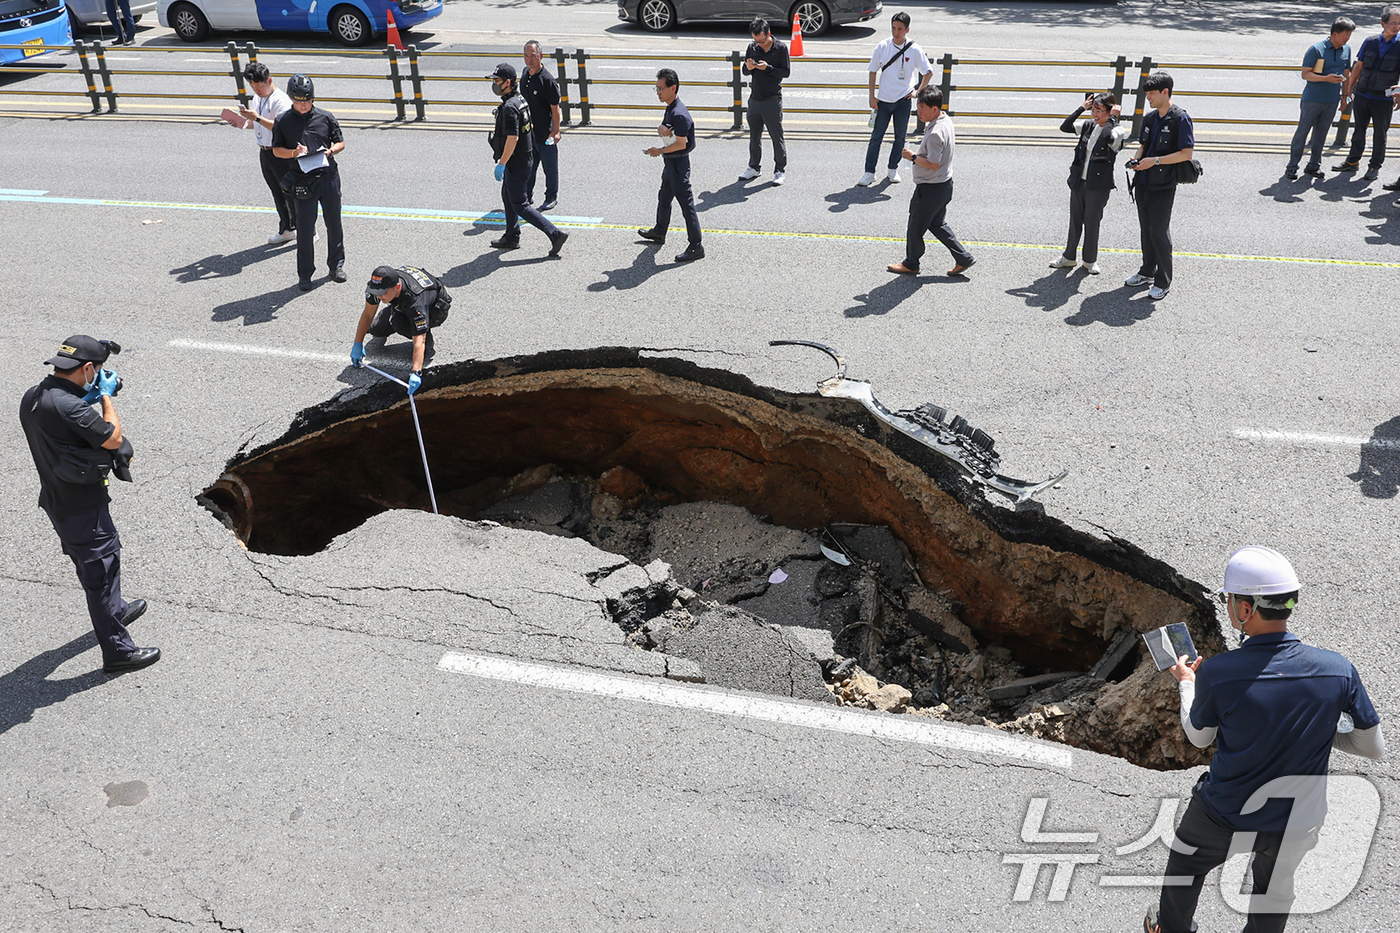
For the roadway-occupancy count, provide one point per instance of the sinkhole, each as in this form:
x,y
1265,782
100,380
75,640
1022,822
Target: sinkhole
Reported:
x,y
985,614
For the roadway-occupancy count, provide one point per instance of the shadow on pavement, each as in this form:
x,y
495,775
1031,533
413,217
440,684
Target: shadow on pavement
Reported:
x,y
1116,309
1386,229
469,272
221,266
884,298
27,689
843,200
1379,472
642,268
260,309
1286,192
736,192
1051,292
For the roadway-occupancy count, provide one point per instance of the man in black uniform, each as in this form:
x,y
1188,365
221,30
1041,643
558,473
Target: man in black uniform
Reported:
x,y
512,145
677,132
541,92
415,302
73,448
312,137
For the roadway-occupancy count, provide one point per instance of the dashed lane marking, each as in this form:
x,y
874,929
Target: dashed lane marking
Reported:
x,y
206,346
1318,440
596,223
711,700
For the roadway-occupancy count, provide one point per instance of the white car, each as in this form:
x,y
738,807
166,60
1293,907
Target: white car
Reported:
x,y
351,22
86,13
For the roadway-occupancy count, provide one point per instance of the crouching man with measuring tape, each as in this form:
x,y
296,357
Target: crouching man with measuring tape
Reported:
x,y
415,301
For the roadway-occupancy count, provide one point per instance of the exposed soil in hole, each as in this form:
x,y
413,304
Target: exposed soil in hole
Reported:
x,y
951,597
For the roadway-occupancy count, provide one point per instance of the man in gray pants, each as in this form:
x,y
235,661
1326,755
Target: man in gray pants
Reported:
x,y
766,63
933,189
1326,67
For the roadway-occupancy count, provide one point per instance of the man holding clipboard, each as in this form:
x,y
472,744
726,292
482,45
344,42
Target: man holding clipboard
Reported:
x,y
312,137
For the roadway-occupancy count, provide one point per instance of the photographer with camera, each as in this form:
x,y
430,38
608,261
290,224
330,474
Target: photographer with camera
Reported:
x,y
75,450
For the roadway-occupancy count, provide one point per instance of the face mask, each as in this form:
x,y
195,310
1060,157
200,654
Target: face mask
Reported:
x,y
498,90
89,386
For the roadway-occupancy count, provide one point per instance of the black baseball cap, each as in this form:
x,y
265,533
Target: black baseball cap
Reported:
x,y
77,350
503,70
383,279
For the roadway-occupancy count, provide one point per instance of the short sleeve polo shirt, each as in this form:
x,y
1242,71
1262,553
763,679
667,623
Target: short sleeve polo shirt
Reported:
x,y
1335,61
677,120
1275,702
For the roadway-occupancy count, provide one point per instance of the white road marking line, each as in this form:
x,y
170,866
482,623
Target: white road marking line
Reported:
x,y
23,192
1325,440
852,722
257,351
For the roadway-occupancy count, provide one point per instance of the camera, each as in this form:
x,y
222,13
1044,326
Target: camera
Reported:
x,y
113,347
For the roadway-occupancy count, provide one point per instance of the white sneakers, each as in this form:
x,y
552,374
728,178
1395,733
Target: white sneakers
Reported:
x,y
749,174
866,180
1137,280
894,175
779,178
285,236
1154,292
1064,262
1090,267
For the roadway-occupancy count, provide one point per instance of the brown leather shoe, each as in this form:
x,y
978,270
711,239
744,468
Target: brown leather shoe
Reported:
x,y
901,268
962,267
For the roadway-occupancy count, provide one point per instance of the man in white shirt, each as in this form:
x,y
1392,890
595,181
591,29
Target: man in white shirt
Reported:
x,y
899,70
269,103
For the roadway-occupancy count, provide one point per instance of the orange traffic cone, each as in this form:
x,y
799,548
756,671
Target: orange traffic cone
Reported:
x,y
394,39
795,47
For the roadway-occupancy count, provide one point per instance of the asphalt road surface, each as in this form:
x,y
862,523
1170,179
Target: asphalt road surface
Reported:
x,y
308,756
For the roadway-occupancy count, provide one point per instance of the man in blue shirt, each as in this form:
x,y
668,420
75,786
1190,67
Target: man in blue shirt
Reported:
x,y
1275,709
1326,66
677,132
1377,70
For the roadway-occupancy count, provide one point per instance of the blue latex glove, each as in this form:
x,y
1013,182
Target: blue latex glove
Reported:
x,y
500,171
414,381
107,381
93,395
357,353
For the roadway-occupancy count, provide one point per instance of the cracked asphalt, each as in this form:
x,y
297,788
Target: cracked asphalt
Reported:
x,y
310,768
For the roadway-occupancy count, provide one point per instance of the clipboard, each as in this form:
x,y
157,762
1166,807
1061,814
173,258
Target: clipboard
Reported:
x,y
312,161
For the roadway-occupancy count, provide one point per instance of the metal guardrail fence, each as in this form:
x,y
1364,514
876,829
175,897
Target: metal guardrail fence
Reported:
x,y
407,66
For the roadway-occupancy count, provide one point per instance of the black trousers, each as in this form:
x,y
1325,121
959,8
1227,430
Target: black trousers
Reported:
x,y
386,322
1276,857
90,540
767,115
675,185
517,205
1085,214
928,212
273,171
547,158
326,193
1155,227
1376,112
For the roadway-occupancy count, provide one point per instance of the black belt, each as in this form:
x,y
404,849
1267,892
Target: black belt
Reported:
x,y
264,147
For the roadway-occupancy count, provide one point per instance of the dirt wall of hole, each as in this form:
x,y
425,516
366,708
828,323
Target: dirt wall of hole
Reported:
x,y
1053,596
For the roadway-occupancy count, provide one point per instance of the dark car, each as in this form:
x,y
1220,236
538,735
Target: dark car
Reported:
x,y
816,16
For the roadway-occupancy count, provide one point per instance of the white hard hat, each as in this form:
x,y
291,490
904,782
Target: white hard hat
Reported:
x,y
1257,571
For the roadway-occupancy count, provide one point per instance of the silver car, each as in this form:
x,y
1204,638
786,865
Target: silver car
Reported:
x,y
816,16
87,13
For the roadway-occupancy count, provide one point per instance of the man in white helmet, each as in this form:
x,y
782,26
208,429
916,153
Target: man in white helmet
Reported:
x,y
1274,707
